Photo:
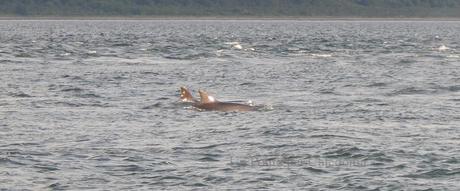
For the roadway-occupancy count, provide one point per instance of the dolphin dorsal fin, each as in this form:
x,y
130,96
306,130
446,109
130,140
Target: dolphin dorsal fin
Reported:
x,y
205,98
185,95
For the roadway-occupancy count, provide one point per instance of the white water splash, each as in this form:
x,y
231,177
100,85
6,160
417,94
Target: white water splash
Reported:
x,y
443,48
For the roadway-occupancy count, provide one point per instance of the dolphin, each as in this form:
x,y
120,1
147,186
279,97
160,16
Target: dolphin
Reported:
x,y
186,96
208,102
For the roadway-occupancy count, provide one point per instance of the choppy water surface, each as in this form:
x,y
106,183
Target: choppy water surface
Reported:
x,y
357,105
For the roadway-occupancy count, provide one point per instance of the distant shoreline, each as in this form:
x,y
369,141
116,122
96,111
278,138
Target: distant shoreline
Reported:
x,y
227,18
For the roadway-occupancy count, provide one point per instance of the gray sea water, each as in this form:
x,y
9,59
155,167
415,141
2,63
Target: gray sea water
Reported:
x,y
355,105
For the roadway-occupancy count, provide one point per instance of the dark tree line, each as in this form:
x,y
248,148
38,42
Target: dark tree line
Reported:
x,y
301,8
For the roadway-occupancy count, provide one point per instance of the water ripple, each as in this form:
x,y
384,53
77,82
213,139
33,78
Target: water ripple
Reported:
x,y
86,104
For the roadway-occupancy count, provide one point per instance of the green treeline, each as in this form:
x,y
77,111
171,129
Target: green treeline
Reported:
x,y
230,8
